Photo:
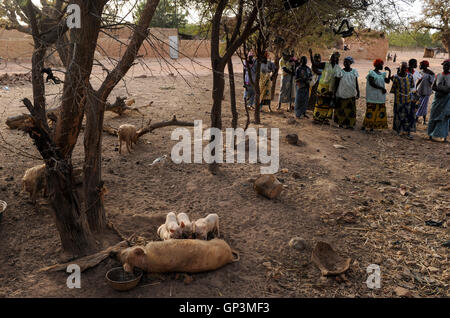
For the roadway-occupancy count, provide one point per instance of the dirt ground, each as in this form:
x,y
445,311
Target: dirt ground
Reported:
x,y
347,197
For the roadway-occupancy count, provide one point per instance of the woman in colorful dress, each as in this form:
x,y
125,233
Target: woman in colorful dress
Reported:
x,y
317,72
287,90
323,110
438,125
404,113
424,90
265,80
303,77
346,94
376,115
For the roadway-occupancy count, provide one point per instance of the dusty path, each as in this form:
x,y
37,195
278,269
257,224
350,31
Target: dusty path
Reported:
x,y
348,197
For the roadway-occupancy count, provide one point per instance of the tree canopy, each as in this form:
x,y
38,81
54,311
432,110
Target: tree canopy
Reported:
x,y
169,14
436,16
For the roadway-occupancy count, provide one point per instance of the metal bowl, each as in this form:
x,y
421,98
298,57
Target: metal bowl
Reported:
x,y
3,206
120,280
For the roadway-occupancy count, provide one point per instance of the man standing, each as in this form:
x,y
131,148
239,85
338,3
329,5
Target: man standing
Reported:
x,y
303,78
287,83
424,90
412,65
250,71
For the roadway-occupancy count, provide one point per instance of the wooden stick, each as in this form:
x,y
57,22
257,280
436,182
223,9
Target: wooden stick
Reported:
x,y
87,261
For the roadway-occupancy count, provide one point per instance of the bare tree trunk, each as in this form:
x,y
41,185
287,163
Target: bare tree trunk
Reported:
x,y
275,77
446,41
234,112
216,111
93,163
71,222
95,110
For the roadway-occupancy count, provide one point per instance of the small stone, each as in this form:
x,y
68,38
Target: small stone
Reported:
x,y
296,175
284,170
291,121
298,243
292,139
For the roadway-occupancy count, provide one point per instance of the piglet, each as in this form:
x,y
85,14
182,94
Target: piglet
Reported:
x,y
163,233
204,226
172,225
185,224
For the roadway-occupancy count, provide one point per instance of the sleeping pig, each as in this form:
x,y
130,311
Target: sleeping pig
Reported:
x,y
187,256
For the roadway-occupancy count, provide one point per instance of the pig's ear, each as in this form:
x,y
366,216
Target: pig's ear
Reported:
x,y
182,224
172,231
139,251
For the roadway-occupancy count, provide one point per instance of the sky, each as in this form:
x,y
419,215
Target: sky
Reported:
x,y
193,15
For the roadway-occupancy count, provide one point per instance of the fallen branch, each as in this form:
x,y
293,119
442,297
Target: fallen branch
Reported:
x,y
150,127
25,121
119,106
173,122
87,261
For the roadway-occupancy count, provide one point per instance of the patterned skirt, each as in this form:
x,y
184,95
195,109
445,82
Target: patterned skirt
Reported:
x,y
345,112
322,111
287,90
376,116
265,84
423,106
404,117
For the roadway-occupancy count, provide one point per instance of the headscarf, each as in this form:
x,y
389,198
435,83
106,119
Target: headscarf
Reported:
x,y
378,62
337,54
349,59
425,63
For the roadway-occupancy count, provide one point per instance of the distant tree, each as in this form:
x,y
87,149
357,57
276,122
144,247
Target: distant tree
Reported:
x,y
436,16
168,15
413,39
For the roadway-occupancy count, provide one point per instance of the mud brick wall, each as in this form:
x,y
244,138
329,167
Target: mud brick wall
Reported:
x,y
15,45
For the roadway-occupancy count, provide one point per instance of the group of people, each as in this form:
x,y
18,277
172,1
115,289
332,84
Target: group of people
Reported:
x,y
391,57
334,90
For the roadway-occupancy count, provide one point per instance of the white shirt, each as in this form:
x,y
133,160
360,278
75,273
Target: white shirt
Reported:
x,y
347,84
416,76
